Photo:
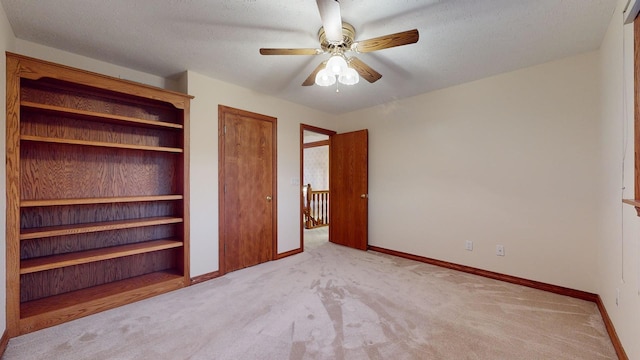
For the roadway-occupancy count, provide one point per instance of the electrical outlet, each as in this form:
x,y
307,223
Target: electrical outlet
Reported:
x,y
500,250
617,296
468,245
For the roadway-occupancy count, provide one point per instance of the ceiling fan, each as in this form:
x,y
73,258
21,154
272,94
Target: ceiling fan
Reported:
x,y
338,38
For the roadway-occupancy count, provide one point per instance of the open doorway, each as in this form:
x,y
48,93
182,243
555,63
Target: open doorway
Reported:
x,y
315,195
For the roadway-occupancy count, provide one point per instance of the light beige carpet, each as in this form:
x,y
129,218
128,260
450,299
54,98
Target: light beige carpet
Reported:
x,y
315,237
331,302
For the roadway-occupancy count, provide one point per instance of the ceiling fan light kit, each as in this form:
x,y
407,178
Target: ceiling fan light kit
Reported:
x,y
337,38
337,64
325,78
349,77
337,67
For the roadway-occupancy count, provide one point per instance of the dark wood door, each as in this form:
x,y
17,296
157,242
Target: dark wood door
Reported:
x,y
349,189
247,188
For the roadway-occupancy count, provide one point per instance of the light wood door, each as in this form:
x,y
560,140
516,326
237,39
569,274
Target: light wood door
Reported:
x,y
247,188
348,185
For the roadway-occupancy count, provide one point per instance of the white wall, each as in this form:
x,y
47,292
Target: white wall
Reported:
x,y
619,243
81,62
209,93
6,43
510,160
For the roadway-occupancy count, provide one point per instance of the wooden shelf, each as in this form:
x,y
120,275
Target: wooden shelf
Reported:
x,y
49,231
53,310
98,144
91,115
96,168
84,257
107,200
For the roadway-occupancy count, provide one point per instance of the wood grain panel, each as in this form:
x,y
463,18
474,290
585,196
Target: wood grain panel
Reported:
x,y
44,125
31,68
366,71
348,184
74,96
55,310
97,182
37,217
56,171
13,196
65,244
37,233
58,281
103,253
95,116
98,144
182,187
388,41
88,201
249,199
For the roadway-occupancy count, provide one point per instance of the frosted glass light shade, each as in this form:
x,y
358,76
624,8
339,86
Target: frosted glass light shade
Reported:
x,y
337,65
349,77
325,78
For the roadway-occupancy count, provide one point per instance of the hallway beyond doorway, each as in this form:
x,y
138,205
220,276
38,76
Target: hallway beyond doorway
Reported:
x,y
315,237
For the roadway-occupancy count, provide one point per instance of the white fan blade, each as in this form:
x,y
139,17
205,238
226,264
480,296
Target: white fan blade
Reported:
x,y
331,20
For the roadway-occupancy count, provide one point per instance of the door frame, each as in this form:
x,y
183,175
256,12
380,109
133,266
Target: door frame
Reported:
x,y
222,109
303,128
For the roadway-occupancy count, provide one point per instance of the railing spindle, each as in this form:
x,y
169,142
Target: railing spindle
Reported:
x,y
316,208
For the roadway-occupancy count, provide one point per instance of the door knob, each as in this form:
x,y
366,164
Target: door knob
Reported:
x,y
363,196
268,198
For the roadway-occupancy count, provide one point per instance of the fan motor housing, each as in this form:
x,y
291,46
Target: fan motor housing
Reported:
x,y
348,36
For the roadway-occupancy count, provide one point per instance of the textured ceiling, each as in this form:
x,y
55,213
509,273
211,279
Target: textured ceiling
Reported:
x,y
460,40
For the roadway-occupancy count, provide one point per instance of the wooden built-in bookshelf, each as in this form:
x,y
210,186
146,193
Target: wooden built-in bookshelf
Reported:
x,y
97,193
